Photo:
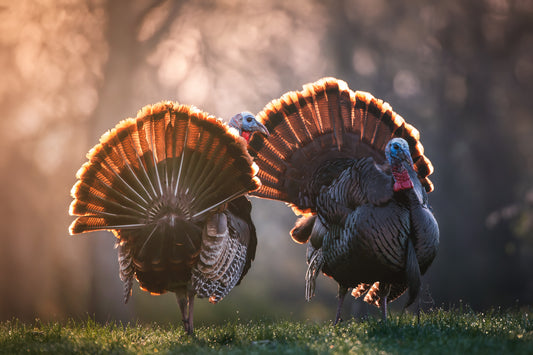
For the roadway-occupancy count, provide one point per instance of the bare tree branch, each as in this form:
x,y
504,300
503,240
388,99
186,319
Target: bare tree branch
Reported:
x,y
156,38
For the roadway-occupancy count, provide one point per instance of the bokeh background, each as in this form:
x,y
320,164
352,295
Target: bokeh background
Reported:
x,y
460,71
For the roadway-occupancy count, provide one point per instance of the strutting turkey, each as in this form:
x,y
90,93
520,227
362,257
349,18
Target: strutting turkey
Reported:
x,y
356,173
170,185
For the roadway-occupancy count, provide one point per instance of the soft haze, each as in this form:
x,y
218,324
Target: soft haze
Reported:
x,y
460,71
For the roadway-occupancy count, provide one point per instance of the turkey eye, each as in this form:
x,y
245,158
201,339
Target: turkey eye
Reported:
x,y
249,119
396,146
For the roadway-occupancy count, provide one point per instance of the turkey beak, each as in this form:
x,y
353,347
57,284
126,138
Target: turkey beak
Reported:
x,y
406,156
259,127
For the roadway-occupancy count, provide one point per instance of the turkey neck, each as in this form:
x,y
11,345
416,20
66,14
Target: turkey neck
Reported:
x,y
403,184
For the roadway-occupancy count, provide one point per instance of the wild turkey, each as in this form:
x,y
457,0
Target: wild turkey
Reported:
x,y
356,172
170,185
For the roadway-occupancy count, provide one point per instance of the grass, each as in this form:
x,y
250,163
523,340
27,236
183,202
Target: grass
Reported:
x,y
439,332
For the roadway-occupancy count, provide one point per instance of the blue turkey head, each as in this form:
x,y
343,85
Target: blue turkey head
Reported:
x,y
397,151
246,124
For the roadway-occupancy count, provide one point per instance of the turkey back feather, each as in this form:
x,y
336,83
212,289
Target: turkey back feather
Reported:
x,y
154,180
324,123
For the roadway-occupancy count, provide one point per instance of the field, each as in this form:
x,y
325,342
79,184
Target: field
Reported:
x,y
438,332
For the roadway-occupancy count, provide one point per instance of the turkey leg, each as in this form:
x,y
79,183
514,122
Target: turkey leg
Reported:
x,y
384,308
341,295
185,305
383,293
190,327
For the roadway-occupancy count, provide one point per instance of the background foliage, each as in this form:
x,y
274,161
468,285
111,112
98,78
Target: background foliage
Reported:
x,y
460,71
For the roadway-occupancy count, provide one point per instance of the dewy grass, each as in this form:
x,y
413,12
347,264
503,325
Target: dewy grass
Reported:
x,y
438,332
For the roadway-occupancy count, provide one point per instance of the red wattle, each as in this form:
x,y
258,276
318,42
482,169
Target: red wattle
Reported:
x,y
246,135
402,181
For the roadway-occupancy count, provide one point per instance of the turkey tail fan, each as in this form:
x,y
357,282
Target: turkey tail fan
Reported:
x,y
171,161
325,121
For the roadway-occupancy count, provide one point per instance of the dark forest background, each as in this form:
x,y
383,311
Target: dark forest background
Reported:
x,y
460,71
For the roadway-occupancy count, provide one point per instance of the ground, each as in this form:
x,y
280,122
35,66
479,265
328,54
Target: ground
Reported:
x,y
437,332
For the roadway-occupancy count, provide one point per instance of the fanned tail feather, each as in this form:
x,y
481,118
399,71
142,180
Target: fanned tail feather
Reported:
x,y
170,153
325,121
